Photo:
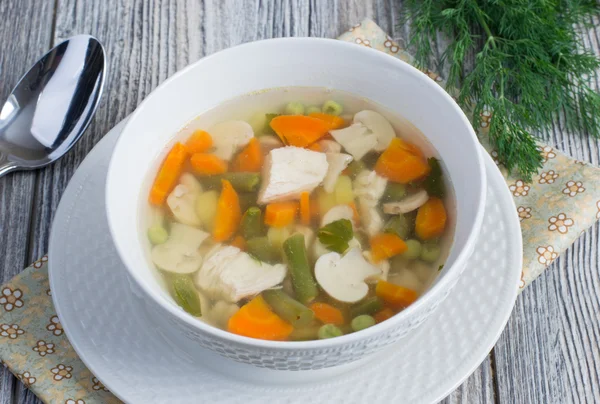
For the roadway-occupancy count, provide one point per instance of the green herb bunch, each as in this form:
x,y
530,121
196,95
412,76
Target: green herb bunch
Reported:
x,y
530,66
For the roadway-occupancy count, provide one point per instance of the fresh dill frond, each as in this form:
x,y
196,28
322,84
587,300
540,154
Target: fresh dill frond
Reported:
x,y
530,66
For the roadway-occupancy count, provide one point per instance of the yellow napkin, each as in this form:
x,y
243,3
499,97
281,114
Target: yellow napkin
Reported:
x,y
554,209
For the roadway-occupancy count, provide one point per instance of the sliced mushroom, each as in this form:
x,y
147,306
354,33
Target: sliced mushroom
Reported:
x,y
180,253
377,125
337,163
329,146
383,265
229,136
182,200
344,278
268,143
356,139
408,204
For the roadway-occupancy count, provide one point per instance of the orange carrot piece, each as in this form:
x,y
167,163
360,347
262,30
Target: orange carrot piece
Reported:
x,y
299,130
256,320
384,314
327,314
208,164
386,245
228,215
200,141
239,242
315,147
395,296
355,215
250,159
280,214
332,121
399,163
168,174
431,219
305,208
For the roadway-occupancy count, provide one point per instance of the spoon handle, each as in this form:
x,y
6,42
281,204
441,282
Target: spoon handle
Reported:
x,y
6,166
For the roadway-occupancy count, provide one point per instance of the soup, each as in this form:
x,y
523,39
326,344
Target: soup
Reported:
x,y
298,214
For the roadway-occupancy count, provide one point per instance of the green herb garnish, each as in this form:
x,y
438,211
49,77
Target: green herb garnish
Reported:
x,y
530,65
434,183
440,267
336,235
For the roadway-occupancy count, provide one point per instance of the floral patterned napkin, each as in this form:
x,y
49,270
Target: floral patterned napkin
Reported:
x,y
561,203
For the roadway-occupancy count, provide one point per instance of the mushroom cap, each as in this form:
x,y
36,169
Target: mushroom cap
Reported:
x,y
228,136
408,204
378,125
180,253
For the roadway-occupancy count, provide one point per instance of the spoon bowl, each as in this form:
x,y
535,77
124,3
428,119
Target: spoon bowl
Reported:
x,y
52,105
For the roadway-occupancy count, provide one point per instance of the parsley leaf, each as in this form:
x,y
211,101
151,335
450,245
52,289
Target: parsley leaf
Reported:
x,y
434,183
336,235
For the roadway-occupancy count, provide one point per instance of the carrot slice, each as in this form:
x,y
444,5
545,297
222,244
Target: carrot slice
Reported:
x,y
250,159
168,174
431,219
327,314
280,214
332,121
395,296
208,164
200,141
386,245
384,314
299,130
401,163
256,320
239,242
315,147
305,208
229,214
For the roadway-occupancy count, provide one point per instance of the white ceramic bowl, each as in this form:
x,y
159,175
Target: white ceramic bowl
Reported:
x,y
282,63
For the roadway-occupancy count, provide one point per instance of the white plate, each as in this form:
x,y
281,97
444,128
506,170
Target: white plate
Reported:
x,y
143,362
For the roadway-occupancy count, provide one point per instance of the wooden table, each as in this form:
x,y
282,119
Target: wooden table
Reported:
x,y
549,352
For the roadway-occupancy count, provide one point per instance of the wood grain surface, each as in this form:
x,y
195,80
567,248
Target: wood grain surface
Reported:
x,y
549,352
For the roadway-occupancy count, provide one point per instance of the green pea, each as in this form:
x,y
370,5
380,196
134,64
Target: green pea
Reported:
x,y
332,108
361,322
430,252
158,234
312,110
294,108
414,249
329,331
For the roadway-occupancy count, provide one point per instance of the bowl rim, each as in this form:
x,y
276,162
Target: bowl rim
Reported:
x,y
348,339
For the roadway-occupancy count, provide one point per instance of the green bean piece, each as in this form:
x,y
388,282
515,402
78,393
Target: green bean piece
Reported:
x,y
394,192
361,322
241,182
355,168
430,252
303,280
308,333
252,225
289,309
370,305
329,331
413,250
332,108
294,108
247,200
262,249
370,159
186,295
397,225
157,234
268,118
312,110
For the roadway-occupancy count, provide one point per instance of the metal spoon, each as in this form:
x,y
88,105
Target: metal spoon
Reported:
x,y
52,105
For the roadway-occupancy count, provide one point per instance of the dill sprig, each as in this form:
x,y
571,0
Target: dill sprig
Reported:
x,y
530,66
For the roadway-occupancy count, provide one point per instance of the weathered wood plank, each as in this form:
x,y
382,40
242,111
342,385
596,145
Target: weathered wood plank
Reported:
x,y
25,34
